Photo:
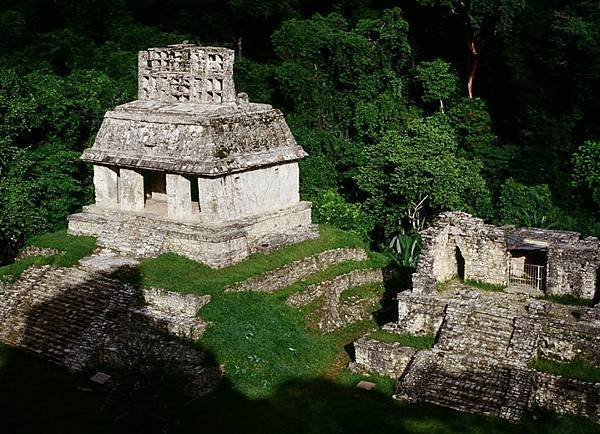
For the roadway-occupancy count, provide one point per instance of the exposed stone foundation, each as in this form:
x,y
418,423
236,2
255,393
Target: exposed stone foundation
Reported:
x,y
217,245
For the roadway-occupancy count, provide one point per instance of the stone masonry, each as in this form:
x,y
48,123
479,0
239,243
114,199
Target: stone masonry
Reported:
x,y
570,265
81,318
485,340
193,168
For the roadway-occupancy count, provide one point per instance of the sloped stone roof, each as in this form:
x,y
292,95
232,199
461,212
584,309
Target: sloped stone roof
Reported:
x,y
198,139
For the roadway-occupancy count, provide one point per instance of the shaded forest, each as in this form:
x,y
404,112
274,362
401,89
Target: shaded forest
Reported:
x,y
406,108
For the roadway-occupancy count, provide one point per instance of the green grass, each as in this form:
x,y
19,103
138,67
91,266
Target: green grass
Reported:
x,y
281,375
174,272
73,247
569,300
579,369
485,286
420,342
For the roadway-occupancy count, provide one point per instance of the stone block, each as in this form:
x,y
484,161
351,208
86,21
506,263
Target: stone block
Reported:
x,y
387,359
179,197
106,186
131,190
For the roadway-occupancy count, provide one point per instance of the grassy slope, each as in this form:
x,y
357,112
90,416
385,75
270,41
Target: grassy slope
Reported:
x,y
74,248
262,342
578,369
281,375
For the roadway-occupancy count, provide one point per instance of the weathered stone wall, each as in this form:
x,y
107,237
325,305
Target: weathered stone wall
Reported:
x,y
298,270
143,235
420,314
335,313
173,302
483,248
388,359
573,269
572,265
246,193
566,396
565,341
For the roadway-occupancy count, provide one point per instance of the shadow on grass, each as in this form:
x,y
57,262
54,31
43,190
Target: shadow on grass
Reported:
x,y
41,398
38,397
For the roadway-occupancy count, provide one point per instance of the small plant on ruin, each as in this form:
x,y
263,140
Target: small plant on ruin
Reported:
x,y
405,248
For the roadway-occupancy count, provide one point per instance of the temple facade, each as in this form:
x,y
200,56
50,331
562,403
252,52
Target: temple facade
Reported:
x,y
193,168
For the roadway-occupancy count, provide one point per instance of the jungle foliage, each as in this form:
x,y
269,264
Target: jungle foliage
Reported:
x,y
486,107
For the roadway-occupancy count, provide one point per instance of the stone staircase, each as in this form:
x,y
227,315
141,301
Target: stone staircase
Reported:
x,y
63,314
462,383
479,363
477,333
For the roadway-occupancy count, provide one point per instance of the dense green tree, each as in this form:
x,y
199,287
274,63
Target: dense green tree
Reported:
x,y
421,162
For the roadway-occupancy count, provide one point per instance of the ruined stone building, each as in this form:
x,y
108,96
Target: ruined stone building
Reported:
x,y
485,340
192,167
547,261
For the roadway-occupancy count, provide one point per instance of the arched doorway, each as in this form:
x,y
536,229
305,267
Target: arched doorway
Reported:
x,y
460,264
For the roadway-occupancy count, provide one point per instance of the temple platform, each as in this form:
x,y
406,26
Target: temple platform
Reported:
x,y
216,244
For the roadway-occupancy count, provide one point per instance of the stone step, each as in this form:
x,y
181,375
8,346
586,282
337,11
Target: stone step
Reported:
x,y
59,313
464,384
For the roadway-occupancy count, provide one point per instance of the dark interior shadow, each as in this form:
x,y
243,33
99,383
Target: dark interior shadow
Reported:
x,y
460,264
396,279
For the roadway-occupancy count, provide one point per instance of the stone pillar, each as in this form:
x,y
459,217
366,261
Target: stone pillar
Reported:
x,y
106,186
179,196
131,190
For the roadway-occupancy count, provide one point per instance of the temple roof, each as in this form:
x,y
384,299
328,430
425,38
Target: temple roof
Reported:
x,y
199,139
188,120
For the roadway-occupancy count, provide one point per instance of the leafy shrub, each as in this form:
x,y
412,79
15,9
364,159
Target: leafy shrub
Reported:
x,y
331,208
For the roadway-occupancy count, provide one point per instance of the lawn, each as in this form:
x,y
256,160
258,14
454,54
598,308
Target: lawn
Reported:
x,y
73,247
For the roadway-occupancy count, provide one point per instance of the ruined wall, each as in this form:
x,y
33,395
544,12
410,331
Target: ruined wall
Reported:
x,y
483,248
572,269
388,359
566,395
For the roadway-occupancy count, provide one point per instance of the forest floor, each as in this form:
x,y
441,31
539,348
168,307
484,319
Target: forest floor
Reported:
x,y
281,374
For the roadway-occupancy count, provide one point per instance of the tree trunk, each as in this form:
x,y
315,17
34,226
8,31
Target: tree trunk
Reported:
x,y
474,65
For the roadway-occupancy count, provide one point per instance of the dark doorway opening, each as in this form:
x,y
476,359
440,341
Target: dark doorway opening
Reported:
x,y
528,268
460,264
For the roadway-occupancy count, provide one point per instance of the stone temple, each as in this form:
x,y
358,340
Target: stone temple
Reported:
x,y
193,168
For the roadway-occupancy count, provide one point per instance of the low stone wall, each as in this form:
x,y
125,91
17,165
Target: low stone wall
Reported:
x,y
37,251
420,314
173,312
566,396
388,359
298,270
335,286
335,313
173,302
